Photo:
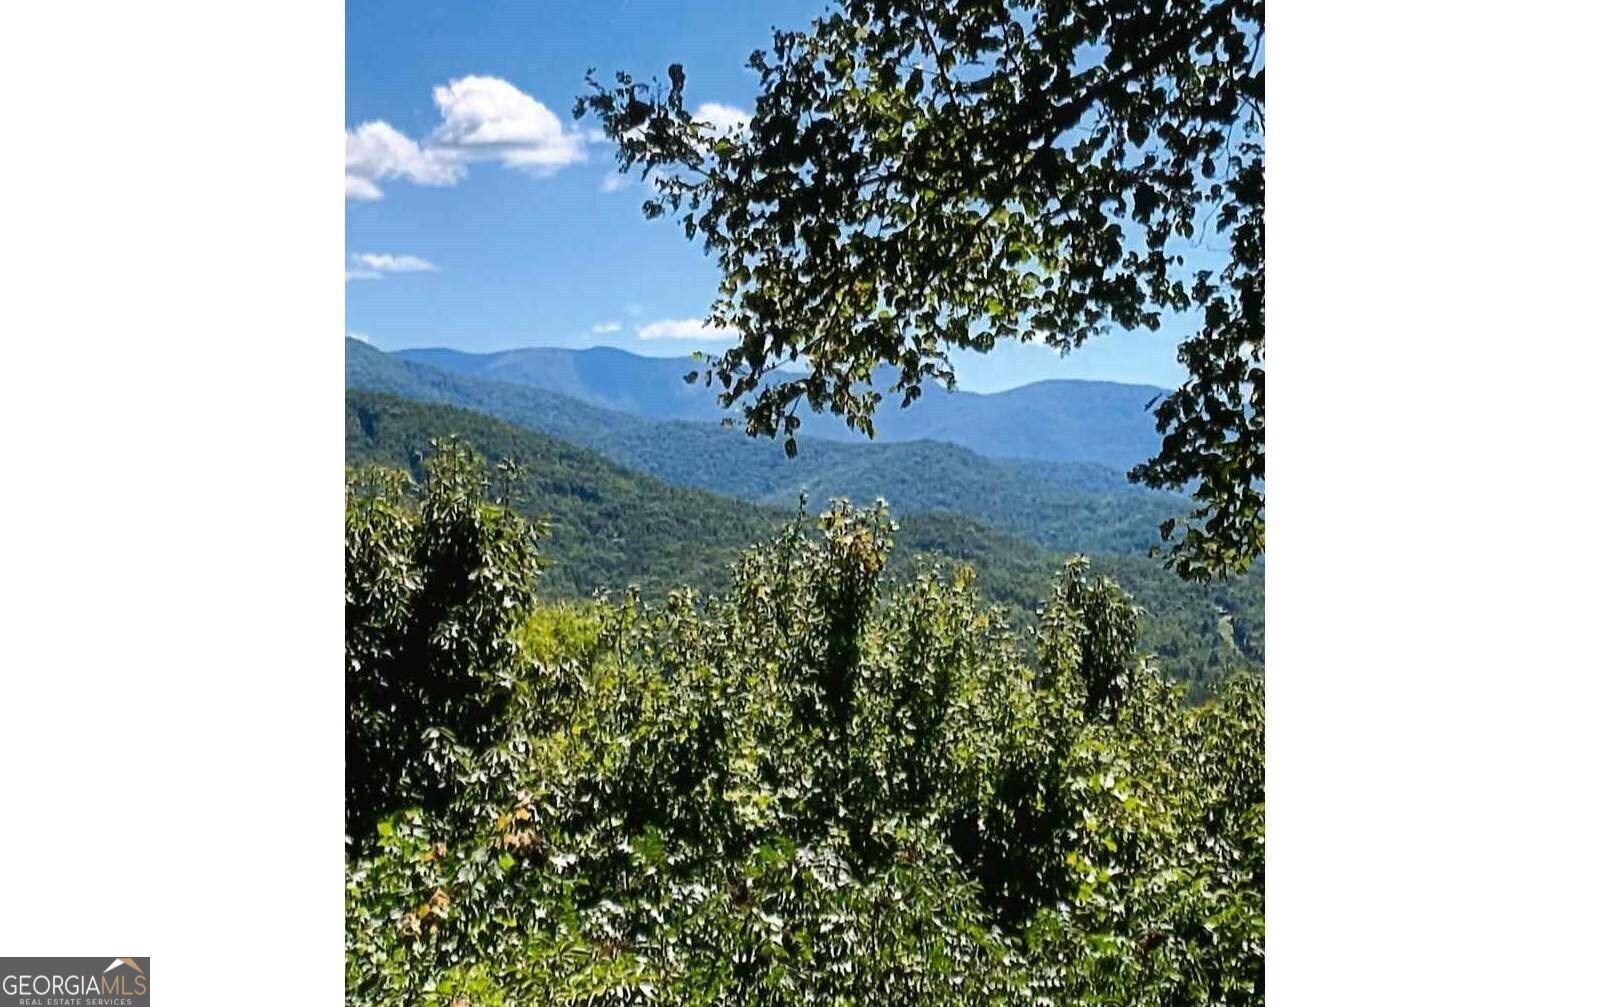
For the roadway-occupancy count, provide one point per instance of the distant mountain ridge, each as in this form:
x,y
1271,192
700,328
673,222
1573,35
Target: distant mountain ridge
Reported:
x,y
1063,420
651,387
1063,506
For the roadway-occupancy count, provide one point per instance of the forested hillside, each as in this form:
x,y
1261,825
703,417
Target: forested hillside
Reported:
x,y
825,784
1064,507
611,527
1075,421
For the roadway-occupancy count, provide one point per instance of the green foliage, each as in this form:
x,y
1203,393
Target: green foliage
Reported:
x,y
926,175
555,631
611,527
1213,426
614,529
819,787
435,586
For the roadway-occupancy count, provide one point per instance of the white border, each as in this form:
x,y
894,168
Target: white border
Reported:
x,y
171,716
170,704
1437,570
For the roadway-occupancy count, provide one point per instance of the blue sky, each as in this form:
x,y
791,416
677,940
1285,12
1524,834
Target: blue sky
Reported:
x,y
479,215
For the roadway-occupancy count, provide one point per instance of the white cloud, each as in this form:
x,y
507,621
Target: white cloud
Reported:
x,y
362,188
393,263
376,153
684,328
722,117
614,182
489,119
361,337
605,328
483,119
362,274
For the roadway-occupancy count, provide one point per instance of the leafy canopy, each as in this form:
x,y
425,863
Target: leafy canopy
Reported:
x,y
921,176
435,587
815,787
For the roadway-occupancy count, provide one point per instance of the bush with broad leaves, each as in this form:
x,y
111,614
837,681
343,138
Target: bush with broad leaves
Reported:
x,y
814,788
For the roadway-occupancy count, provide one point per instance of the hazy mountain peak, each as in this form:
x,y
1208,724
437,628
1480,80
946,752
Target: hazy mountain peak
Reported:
x,y
1063,419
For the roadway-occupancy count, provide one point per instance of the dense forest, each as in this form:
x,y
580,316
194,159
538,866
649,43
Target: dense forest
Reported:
x,y
612,528
819,785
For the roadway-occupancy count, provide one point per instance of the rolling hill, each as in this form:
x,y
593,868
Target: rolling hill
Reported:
x,y
1065,507
611,527
1098,422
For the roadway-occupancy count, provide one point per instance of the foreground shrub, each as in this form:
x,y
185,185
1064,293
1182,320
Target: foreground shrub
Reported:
x,y
817,789
436,582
